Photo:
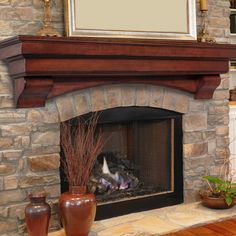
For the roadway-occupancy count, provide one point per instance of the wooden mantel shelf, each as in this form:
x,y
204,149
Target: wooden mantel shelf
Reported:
x,y
45,67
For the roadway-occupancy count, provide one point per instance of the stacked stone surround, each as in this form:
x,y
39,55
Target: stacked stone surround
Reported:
x,y
29,138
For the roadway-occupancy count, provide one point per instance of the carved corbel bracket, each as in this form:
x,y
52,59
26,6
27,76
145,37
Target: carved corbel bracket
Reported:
x,y
32,92
206,86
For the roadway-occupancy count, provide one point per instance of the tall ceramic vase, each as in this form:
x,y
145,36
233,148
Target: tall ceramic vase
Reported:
x,y
78,210
37,215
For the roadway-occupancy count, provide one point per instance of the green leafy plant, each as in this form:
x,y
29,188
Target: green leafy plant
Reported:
x,y
221,188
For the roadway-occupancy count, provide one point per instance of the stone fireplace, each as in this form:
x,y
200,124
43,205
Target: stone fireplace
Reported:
x,y
30,135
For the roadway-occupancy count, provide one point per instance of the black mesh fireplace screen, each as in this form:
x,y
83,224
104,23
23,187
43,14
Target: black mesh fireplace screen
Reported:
x,y
140,167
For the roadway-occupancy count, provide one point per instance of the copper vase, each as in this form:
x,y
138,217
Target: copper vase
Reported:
x,y
78,210
37,215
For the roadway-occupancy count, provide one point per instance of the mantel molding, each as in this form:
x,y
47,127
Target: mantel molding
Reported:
x,y
45,67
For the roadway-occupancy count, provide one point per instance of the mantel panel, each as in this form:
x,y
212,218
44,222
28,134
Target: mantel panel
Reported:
x,y
45,67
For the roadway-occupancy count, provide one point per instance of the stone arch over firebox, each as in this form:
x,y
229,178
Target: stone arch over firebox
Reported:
x,y
104,97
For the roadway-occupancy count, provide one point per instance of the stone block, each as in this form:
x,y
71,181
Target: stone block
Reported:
x,y
6,88
128,95
11,196
65,106
175,101
24,13
53,190
34,180
113,96
222,153
209,135
11,116
7,225
50,113
25,141
6,102
195,121
22,27
15,129
12,155
47,138
35,150
1,184
22,3
44,162
222,141
195,149
37,4
8,13
142,95
17,211
225,83
192,137
97,98
217,11
156,96
212,147
7,168
218,120
222,130
4,211
82,103
5,2
219,21
6,142
218,109
221,94
195,173
193,184
10,182
47,127
34,115
196,106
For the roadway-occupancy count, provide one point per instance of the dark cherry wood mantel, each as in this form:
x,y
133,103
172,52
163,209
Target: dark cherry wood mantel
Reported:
x,y
45,67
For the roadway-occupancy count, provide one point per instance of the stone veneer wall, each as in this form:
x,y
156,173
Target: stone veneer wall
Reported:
x,y
29,138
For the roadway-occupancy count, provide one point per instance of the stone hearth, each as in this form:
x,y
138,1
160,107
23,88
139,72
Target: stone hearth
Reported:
x,y
158,222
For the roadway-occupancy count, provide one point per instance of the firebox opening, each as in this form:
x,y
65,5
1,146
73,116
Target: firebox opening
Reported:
x,y
140,166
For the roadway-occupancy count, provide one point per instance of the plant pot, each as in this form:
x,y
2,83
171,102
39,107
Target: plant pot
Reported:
x,y
215,203
37,215
78,210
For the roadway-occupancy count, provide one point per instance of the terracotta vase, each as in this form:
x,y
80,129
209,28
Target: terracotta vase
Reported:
x,y
78,210
37,215
215,203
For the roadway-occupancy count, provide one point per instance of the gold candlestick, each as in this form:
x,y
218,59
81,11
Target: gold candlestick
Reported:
x,y
204,35
203,5
47,29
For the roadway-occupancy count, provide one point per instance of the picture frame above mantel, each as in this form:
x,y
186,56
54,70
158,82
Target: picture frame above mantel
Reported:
x,y
154,19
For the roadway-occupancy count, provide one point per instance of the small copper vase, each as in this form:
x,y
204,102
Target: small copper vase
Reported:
x,y
78,210
37,215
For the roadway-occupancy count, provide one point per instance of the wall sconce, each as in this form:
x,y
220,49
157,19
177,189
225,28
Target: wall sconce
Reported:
x,y
47,29
204,35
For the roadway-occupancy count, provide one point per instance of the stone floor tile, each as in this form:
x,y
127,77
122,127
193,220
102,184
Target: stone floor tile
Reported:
x,y
118,230
122,219
153,224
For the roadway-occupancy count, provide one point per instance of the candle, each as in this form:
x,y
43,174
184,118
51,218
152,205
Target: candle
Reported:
x,y
204,5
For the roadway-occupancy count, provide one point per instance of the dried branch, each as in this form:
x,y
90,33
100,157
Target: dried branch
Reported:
x,y
81,145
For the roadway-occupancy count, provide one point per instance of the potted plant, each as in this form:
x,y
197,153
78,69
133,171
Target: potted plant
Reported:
x,y
81,144
220,193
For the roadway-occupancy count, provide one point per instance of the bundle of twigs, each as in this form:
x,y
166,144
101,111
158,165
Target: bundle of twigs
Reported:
x,y
81,145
